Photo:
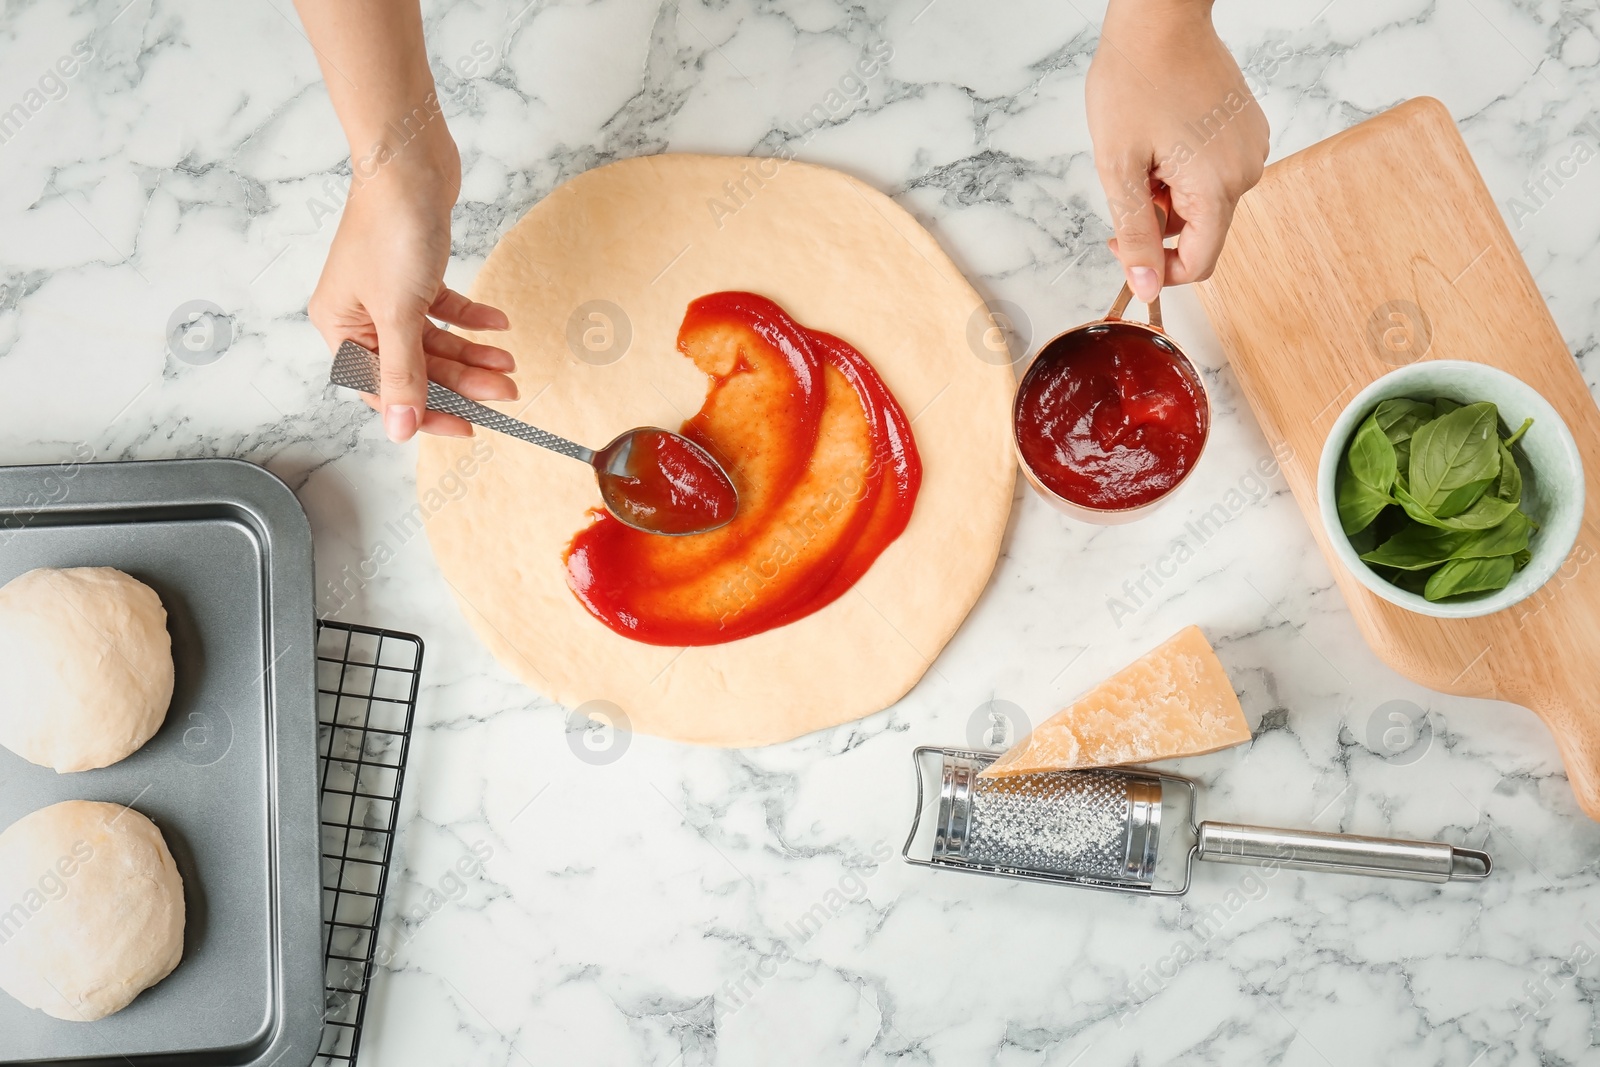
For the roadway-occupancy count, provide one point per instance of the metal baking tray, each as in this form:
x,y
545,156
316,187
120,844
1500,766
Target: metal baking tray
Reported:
x,y
231,778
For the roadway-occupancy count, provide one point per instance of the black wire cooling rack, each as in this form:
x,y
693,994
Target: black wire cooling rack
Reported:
x,y
367,681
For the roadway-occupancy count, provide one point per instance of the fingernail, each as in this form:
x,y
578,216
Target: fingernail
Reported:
x,y
400,422
1144,283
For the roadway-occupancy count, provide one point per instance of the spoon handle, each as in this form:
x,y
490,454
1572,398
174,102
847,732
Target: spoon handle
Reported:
x,y
356,367
453,403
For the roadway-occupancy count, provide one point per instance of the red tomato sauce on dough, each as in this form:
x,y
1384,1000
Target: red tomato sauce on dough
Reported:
x,y
1109,418
827,474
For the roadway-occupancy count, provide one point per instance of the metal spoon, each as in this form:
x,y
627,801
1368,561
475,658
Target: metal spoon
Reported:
x,y
615,465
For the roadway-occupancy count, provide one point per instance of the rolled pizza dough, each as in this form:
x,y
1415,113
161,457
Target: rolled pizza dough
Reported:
x,y
93,909
85,666
596,279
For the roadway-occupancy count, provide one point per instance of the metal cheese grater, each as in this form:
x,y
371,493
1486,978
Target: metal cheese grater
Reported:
x,y
1102,829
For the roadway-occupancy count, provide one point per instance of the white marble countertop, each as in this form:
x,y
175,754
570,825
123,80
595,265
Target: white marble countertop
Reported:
x,y
653,910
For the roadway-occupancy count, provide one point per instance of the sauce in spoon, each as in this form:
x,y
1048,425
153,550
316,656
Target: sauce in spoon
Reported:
x,y
663,482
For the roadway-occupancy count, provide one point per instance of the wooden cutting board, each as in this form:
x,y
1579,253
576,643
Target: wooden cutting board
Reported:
x,y
1328,264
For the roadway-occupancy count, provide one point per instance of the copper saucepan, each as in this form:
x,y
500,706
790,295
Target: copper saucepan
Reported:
x,y
1056,349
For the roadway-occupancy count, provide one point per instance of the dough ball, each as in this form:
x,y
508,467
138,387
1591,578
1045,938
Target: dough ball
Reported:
x,y
93,909
85,667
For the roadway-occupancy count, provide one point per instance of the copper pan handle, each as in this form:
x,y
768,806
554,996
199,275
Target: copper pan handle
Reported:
x,y
1120,304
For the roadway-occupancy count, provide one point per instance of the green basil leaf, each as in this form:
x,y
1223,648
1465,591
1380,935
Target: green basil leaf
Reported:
x,y
1460,499
1400,417
1509,485
1505,539
1452,451
1514,438
1418,547
1402,462
1412,581
1521,559
1443,405
1488,511
1372,456
1403,497
1461,576
1365,540
1358,502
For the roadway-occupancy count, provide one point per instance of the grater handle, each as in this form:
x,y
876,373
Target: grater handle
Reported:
x,y
1309,850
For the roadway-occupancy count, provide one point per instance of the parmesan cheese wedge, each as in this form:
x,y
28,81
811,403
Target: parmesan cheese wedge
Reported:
x,y
1174,701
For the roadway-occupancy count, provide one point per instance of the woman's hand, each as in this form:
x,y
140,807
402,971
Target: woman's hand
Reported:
x,y
384,280
1174,128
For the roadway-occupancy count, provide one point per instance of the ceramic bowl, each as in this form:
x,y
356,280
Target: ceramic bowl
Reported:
x,y
1552,490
